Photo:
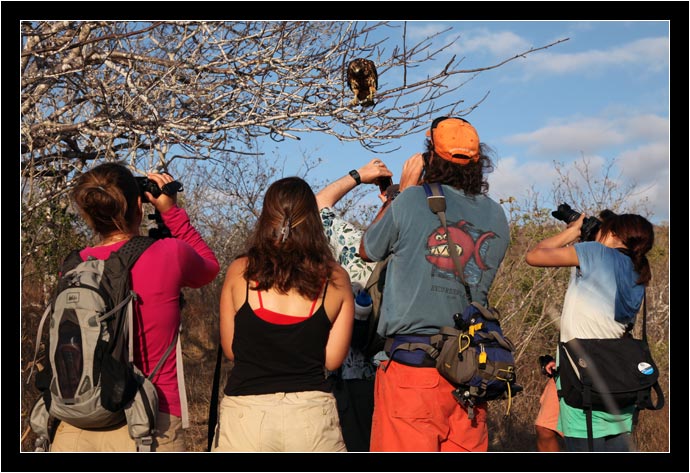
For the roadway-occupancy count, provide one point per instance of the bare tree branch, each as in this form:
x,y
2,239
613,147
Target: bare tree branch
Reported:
x,y
155,93
206,84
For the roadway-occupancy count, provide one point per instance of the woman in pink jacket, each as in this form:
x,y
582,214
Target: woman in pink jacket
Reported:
x,y
109,199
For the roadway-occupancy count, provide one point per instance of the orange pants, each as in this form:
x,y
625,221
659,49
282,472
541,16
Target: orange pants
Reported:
x,y
414,411
549,408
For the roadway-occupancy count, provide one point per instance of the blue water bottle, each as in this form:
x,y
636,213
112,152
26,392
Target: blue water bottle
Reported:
x,y
363,305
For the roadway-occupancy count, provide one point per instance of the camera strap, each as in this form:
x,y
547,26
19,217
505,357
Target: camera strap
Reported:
x,y
437,203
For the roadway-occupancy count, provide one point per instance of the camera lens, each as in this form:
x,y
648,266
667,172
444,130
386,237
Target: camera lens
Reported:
x,y
590,227
565,213
141,183
384,183
147,185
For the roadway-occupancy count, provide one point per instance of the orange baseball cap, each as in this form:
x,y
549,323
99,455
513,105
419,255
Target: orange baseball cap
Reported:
x,y
454,140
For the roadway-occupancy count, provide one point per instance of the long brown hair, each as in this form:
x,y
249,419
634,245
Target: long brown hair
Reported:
x,y
107,198
288,248
469,178
637,234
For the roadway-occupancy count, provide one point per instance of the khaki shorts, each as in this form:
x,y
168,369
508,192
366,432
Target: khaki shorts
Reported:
x,y
304,421
549,408
170,438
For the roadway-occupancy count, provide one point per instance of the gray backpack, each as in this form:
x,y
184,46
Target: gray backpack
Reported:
x,y
90,380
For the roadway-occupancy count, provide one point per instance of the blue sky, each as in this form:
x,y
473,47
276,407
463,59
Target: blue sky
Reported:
x,y
601,96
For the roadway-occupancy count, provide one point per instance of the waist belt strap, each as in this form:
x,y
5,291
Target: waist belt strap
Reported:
x,y
413,349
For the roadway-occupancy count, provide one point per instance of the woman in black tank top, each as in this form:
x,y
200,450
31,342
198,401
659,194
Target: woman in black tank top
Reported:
x,y
277,397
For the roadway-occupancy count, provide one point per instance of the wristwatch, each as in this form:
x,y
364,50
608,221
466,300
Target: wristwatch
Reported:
x,y
355,175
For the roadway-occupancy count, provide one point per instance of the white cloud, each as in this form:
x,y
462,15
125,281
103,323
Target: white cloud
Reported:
x,y
420,31
637,145
659,202
515,178
569,139
525,181
646,54
587,136
645,162
500,44
646,127
648,168
650,53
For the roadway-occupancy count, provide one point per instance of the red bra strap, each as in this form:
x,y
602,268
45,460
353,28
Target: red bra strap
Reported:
x,y
325,283
313,304
261,303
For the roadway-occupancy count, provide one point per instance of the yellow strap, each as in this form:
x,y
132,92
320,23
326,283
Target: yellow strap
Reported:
x,y
510,399
462,348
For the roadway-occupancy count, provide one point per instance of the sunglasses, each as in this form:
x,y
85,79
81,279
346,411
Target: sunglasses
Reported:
x,y
438,120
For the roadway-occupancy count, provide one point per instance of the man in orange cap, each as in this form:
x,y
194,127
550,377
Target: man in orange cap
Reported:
x,y
414,408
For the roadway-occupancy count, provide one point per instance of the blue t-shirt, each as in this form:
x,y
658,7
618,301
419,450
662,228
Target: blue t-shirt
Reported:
x,y
423,289
602,298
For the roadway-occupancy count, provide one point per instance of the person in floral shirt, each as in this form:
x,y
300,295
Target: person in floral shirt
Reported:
x,y
354,381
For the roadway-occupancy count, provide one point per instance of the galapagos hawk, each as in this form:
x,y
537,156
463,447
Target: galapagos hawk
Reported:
x,y
363,81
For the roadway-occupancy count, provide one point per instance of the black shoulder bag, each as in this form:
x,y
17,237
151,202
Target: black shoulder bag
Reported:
x,y
609,374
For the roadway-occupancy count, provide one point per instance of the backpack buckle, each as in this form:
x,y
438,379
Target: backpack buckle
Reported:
x,y
42,445
144,444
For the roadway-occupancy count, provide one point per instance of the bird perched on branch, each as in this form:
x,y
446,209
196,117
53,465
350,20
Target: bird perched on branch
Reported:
x,y
363,80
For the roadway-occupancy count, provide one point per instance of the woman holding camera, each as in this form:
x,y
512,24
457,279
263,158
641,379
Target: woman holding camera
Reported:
x,y
110,201
286,316
605,293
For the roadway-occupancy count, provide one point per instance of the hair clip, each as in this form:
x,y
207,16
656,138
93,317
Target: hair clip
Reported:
x,y
285,230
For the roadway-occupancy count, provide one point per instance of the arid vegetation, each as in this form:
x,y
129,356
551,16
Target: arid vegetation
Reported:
x,y
530,300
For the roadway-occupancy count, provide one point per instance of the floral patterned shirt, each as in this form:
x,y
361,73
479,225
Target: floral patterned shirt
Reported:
x,y
344,238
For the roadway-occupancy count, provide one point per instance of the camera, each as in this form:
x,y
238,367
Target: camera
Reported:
x,y
147,185
543,361
384,182
170,189
590,225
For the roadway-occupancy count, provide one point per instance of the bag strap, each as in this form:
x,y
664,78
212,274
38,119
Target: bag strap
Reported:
x,y
163,358
430,348
213,408
644,316
629,327
38,341
437,203
181,387
128,254
648,404
132,250
376,279
116,272
375,275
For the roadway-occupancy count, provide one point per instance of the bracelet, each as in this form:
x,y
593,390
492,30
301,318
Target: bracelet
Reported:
x,y
355,175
